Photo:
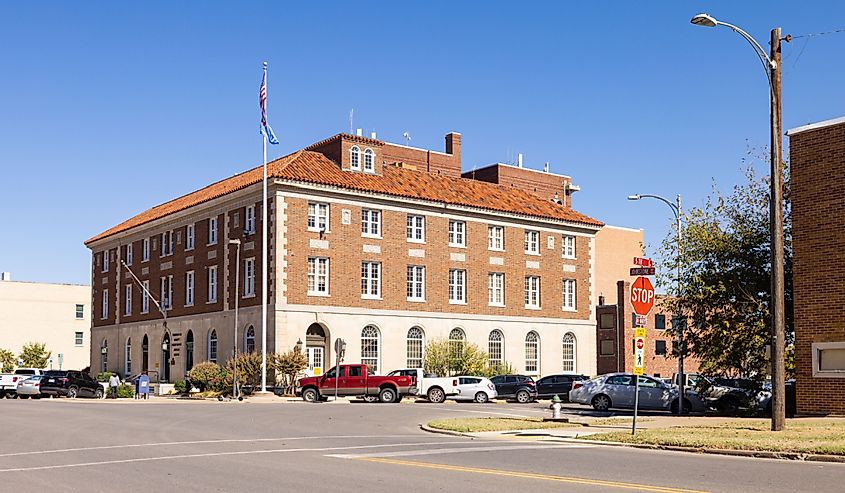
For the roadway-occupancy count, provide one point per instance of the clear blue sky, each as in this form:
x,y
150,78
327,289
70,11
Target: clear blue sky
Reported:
x,y
108,109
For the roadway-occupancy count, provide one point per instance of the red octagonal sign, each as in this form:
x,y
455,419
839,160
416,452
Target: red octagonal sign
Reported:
x,y
642,296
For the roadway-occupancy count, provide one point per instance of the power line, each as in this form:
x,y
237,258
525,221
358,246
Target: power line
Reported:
x,y
817,34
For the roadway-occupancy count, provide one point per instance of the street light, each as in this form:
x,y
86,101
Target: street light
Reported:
x,y
236,242
676,210
772,67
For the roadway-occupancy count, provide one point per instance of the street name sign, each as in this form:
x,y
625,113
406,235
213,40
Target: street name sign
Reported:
x,y
642,271
642,296
643,262
639,350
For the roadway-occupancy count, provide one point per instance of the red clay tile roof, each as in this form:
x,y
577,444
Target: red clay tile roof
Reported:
x,y
313,167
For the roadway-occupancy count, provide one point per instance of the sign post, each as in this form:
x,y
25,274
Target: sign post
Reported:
x,y
61,357
639,366
339,350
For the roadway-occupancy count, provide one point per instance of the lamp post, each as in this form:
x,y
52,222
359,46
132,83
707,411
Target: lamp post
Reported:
x,y
676,210
237,243
772,66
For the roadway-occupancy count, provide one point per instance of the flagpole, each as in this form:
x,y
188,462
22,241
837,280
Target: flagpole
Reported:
x,y
264,283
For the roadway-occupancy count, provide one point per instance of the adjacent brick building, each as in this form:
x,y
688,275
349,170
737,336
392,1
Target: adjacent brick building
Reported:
x,y
817,187
615,337
383,245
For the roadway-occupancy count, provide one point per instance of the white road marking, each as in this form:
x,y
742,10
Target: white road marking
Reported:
x,y
486,412
453,450
216,454
199,442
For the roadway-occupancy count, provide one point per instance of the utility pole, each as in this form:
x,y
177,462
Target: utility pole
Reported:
x,y
776,221
681,319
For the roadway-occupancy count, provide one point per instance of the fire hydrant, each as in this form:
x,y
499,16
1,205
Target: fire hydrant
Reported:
x,y
555,407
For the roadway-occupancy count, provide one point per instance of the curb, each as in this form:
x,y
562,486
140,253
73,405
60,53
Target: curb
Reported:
x,y
758,454
446,432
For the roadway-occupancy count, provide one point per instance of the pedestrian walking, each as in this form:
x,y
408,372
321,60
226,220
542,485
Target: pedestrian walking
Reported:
x,y
114,383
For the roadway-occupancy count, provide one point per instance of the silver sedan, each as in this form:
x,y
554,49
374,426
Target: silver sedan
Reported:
x,y
30,387
617,390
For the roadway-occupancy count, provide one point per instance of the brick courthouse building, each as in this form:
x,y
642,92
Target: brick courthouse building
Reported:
x,y
817,187
384,245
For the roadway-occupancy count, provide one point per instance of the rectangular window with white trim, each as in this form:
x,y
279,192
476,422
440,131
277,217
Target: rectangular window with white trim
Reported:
x,y
370,223
532,242
416,228
145,297
106,261
318,276
212,284
496,238
189,288
166,296
145,250
212,231
457,286
457,237
189,237
416,283
828,359
249,220
249,277
496,289
129,252
569,294
104,312
127,302
370,280
532,291
318,216
568,244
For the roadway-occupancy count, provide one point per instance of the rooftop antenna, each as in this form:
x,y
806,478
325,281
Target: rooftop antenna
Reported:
x,y
350,119
407,137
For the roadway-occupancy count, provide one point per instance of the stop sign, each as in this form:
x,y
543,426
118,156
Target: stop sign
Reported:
x,y
642,296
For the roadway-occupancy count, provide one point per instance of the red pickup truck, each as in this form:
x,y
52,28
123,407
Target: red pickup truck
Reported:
x,y
355,381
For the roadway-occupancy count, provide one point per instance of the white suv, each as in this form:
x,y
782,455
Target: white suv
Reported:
x,y
478,389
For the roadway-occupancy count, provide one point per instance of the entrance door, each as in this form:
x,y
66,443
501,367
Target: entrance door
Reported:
x,y
315,360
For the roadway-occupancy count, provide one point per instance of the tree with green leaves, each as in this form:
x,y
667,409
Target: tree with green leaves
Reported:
x,y
725,290
35,355
288,365
444,357
7,361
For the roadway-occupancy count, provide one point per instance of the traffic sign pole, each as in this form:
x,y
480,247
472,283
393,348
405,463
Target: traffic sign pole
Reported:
x,y
636,405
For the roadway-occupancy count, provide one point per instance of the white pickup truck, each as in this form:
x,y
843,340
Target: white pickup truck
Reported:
x,y
9,381
433,388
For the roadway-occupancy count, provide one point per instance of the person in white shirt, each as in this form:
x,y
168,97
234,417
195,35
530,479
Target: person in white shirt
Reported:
x,y
114,383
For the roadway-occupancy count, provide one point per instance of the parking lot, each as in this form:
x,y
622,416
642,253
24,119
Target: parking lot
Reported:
x,y
103,445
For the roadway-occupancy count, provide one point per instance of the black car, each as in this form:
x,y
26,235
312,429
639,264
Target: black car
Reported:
x,y
557,385
519,387
70,383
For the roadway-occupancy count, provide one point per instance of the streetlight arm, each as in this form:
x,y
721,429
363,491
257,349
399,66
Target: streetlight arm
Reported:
x,y
665,201
768,63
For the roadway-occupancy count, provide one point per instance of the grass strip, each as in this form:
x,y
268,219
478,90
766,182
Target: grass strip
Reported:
x,y
811,436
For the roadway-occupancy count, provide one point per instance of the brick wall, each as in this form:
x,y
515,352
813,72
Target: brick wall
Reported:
x,y
817,159
547,185
346,252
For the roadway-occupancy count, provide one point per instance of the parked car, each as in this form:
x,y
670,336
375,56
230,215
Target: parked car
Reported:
x,y
9,381
722,393
435,389
30,387
355,381
70,383
477,389
519,387
617,390
764,399
557,385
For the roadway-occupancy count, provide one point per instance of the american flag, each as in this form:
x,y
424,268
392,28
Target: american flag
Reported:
x,y
262,102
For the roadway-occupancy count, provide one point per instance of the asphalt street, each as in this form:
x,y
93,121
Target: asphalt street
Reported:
x,y
107,446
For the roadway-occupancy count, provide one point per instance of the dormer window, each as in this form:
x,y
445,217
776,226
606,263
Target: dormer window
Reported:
x,y
355,158
369,160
